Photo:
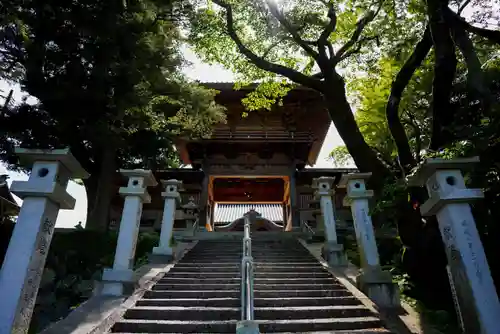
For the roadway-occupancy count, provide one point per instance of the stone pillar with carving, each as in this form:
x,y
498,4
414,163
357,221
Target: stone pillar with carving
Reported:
x,y
373,281
164,252
333,252
119,279
449,200
43,195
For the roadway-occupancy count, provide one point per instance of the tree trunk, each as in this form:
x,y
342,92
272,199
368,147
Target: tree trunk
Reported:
x,y
343,118
99,189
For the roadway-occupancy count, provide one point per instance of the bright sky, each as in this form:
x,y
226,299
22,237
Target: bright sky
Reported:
x,y
198,71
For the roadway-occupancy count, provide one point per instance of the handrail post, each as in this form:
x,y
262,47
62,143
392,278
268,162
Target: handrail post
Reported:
x,y
247,324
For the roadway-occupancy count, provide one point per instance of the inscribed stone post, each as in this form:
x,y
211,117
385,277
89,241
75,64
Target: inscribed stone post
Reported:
x,y
43,195
472,281
164,252
333,252
374,282
120,278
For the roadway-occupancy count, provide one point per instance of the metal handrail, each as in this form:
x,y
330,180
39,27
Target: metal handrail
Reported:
x,y
195,225
247,305
309,229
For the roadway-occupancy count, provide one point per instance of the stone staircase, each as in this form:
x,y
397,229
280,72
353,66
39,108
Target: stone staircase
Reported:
x,y
293,294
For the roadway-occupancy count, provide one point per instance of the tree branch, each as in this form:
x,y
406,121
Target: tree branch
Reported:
x,y
399,84
330,27
462,6
492,35
324,60
475,75
278,14
271,47
360,26
259,61
417,134
359,45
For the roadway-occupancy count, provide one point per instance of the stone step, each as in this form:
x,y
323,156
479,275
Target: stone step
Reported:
x,y
190,274
265,326
231,313
233,286
258,302
207,269
258,268
292,286
305,301
301,293
311,274
187,302
184,313
256,260
355,331
211,264
264,263
292,269
256,255
258,280
200,280
294,280
205,293
232,252
193,274
238,258
257,263
155,294
233,249
194,286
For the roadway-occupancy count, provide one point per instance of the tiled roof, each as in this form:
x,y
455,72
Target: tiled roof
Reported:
x,y
227,213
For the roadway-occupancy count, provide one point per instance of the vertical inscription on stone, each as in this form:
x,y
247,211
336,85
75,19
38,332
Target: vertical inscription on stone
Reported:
x,y
460,283
33,278
470,245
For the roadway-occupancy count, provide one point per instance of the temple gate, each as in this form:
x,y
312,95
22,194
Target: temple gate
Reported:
x,y
257,161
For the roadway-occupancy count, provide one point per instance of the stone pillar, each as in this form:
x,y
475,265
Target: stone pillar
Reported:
x,y
374,282
333,252
119,279
43,195
164,252
448,200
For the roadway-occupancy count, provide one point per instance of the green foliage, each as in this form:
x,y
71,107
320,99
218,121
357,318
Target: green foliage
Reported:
x,y
263,34
340,157
265,95
107,81
103,75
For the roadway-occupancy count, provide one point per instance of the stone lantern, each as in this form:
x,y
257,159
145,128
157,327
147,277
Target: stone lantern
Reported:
x,y
191,213
319,226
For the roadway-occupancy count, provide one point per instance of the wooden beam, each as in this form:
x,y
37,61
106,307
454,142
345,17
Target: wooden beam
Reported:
x,y
211,188
287,189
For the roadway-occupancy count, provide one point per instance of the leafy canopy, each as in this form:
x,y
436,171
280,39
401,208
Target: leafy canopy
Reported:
x,y
106,75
